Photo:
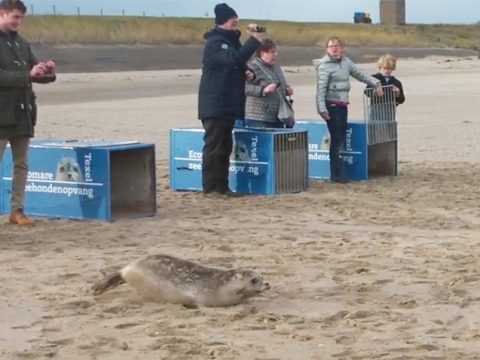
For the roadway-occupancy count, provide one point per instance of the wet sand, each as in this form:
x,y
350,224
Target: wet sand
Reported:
x,y
383,269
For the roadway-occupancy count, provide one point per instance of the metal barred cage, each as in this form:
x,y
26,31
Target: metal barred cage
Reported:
x,y
381,125
291,162
380,115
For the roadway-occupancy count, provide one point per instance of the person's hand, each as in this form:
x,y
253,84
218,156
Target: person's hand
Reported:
x,y
379,90
249,75
396,90
270,88
251,31
38,71
51,67
325,115
289,90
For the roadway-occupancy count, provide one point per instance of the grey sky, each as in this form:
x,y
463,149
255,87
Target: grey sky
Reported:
x,y
417,11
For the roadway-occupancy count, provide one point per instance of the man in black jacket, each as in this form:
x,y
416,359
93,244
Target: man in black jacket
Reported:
x,y
221,98
18,69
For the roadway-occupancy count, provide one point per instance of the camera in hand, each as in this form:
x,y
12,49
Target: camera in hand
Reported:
x,y
49,70
49,73
257,28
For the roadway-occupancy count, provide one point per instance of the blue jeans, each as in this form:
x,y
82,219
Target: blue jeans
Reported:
x,y
337,127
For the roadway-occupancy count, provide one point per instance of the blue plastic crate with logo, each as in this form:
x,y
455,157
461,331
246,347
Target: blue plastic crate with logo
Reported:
x,y
355,155
85,179
263,161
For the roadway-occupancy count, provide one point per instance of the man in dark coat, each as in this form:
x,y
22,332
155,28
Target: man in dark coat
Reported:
x,y
18,69
221,98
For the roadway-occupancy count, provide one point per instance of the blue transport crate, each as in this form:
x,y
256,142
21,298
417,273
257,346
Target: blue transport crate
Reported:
x,y
263,161
2,200
85,179
355,155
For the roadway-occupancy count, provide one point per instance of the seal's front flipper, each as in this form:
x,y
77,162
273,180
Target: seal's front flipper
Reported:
x,y
110,282
190,304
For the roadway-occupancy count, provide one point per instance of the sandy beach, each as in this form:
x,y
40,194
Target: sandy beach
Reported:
x,y
382,269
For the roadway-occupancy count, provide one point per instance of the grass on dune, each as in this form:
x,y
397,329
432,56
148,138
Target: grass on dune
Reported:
x,y
150,30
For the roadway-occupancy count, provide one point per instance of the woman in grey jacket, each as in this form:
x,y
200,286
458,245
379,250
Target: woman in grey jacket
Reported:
x,y
263,92
333,85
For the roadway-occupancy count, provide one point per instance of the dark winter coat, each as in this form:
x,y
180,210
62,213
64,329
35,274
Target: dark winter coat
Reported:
x,y
17,99
400,99
222,85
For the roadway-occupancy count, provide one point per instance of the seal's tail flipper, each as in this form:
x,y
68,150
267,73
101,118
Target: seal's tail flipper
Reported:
x,y
110,282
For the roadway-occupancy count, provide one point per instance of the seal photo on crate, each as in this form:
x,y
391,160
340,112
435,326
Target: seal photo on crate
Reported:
x,y
240,151
68,170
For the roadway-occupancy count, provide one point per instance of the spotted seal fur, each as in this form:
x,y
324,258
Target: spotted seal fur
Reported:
x,y
165,278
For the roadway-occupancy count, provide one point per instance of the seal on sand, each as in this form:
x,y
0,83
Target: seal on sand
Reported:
x,y
165,278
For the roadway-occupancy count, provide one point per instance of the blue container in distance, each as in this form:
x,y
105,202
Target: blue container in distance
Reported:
x,y
86,179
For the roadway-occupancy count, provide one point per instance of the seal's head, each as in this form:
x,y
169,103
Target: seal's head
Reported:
x,y
249,283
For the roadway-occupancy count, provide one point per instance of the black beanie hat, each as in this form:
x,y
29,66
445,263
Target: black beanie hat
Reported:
x,y
223,13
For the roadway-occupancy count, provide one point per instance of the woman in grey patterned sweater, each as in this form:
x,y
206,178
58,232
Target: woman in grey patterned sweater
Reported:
x,y
263,92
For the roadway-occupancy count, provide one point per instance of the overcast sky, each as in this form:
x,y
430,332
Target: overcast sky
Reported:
x,y
417,11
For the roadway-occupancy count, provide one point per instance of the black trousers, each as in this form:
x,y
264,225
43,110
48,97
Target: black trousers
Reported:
x,y
337,127
218,143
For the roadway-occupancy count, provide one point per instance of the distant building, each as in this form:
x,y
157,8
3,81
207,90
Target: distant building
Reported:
x,y
392,12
